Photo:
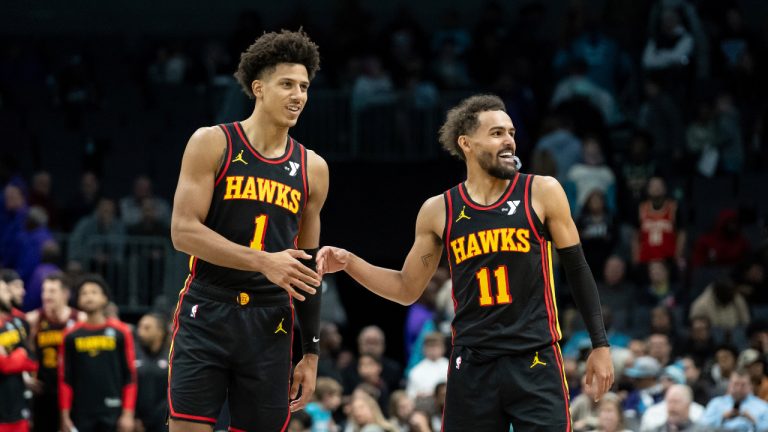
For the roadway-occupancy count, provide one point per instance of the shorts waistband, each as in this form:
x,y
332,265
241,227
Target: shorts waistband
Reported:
x,y
243,298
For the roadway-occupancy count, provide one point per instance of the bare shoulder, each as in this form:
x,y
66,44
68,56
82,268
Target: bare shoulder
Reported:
x,y
316,163
206,148
432,215
545,184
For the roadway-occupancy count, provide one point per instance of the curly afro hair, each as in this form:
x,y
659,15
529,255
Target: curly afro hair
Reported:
x,y
273,48
462,120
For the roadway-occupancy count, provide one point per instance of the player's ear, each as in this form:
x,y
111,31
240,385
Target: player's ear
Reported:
x,y
256,87
463,141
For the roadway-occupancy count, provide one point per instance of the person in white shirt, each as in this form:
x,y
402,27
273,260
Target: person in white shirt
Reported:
x,y
676,412
431,371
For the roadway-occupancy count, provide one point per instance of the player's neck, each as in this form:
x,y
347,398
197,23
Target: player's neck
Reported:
x,y
264,135
483,188
58,313
96,318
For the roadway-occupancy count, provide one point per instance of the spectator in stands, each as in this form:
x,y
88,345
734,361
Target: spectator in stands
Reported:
x,y
563,146
420,314
699,343
330,352
449,67
757,333
739,409
580,342
660,231
661,117
31,240
40,196
327,400
131,207
702,388
86,201
371,341
49,259
722,305
584,411
12,219
610,417
591,174
152,372
369,369
150,223
615,292
676,413
669,52
635,173
373,86
661,290
420,422
723,245
646,387
721,371
16,286
754,363
103,222
598,231
430,371
660,348
577,84
400,409
365,416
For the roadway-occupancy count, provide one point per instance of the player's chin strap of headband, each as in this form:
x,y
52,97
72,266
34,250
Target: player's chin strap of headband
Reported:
x,y
308,311
584,291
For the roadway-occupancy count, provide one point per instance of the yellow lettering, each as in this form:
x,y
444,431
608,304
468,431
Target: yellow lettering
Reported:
x,y
249,192
282,195
473,249
266,190
508,241
49,338
10,338
489,239
95,343
457,246
523,236
234,184
295,198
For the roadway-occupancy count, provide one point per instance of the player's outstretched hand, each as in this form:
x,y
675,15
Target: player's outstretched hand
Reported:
x,y
285,270
599,374
304,377
332,259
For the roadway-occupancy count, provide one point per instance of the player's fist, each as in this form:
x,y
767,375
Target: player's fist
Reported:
x,y
332,259
286,271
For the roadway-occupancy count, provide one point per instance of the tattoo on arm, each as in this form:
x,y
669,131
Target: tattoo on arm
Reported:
x,y
425,259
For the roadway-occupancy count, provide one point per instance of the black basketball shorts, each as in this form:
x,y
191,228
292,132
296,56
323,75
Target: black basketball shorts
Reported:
x,y
229,346
527,390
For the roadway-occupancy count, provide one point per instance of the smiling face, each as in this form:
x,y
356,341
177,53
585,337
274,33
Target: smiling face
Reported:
x,y
281,93
492,144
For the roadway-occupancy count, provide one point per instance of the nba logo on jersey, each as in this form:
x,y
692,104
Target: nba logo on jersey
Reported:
x,y
458,362
194,311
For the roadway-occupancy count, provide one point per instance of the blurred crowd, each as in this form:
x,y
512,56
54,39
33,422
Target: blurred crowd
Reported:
x,y
651,114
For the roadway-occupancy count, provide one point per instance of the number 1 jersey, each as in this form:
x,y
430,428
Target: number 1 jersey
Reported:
x,y
500,261
257,202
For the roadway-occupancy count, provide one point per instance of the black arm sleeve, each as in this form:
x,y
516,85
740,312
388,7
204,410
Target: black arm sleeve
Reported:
x,y
308,312
584,291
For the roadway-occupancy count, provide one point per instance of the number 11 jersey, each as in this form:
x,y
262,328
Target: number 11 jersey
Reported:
x,y
500,260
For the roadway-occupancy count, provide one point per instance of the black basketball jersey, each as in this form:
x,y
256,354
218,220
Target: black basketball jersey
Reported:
x,y
500,260
48,337
257,202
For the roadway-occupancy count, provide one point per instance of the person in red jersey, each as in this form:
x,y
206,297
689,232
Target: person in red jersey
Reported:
x,y
97,376
47,332
14,361
498,228
247,210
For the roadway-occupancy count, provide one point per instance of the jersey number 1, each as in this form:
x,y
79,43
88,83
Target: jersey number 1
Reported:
x,y
502,282
258,233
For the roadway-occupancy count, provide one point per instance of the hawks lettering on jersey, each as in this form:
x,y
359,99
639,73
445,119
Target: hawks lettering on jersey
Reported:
x,y
268,191
491,241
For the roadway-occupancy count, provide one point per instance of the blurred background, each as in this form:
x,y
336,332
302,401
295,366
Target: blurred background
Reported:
x,y
627,103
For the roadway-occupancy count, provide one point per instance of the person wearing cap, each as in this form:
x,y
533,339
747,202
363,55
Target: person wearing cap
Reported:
x,y
739,409
647,389
678,410
754,362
